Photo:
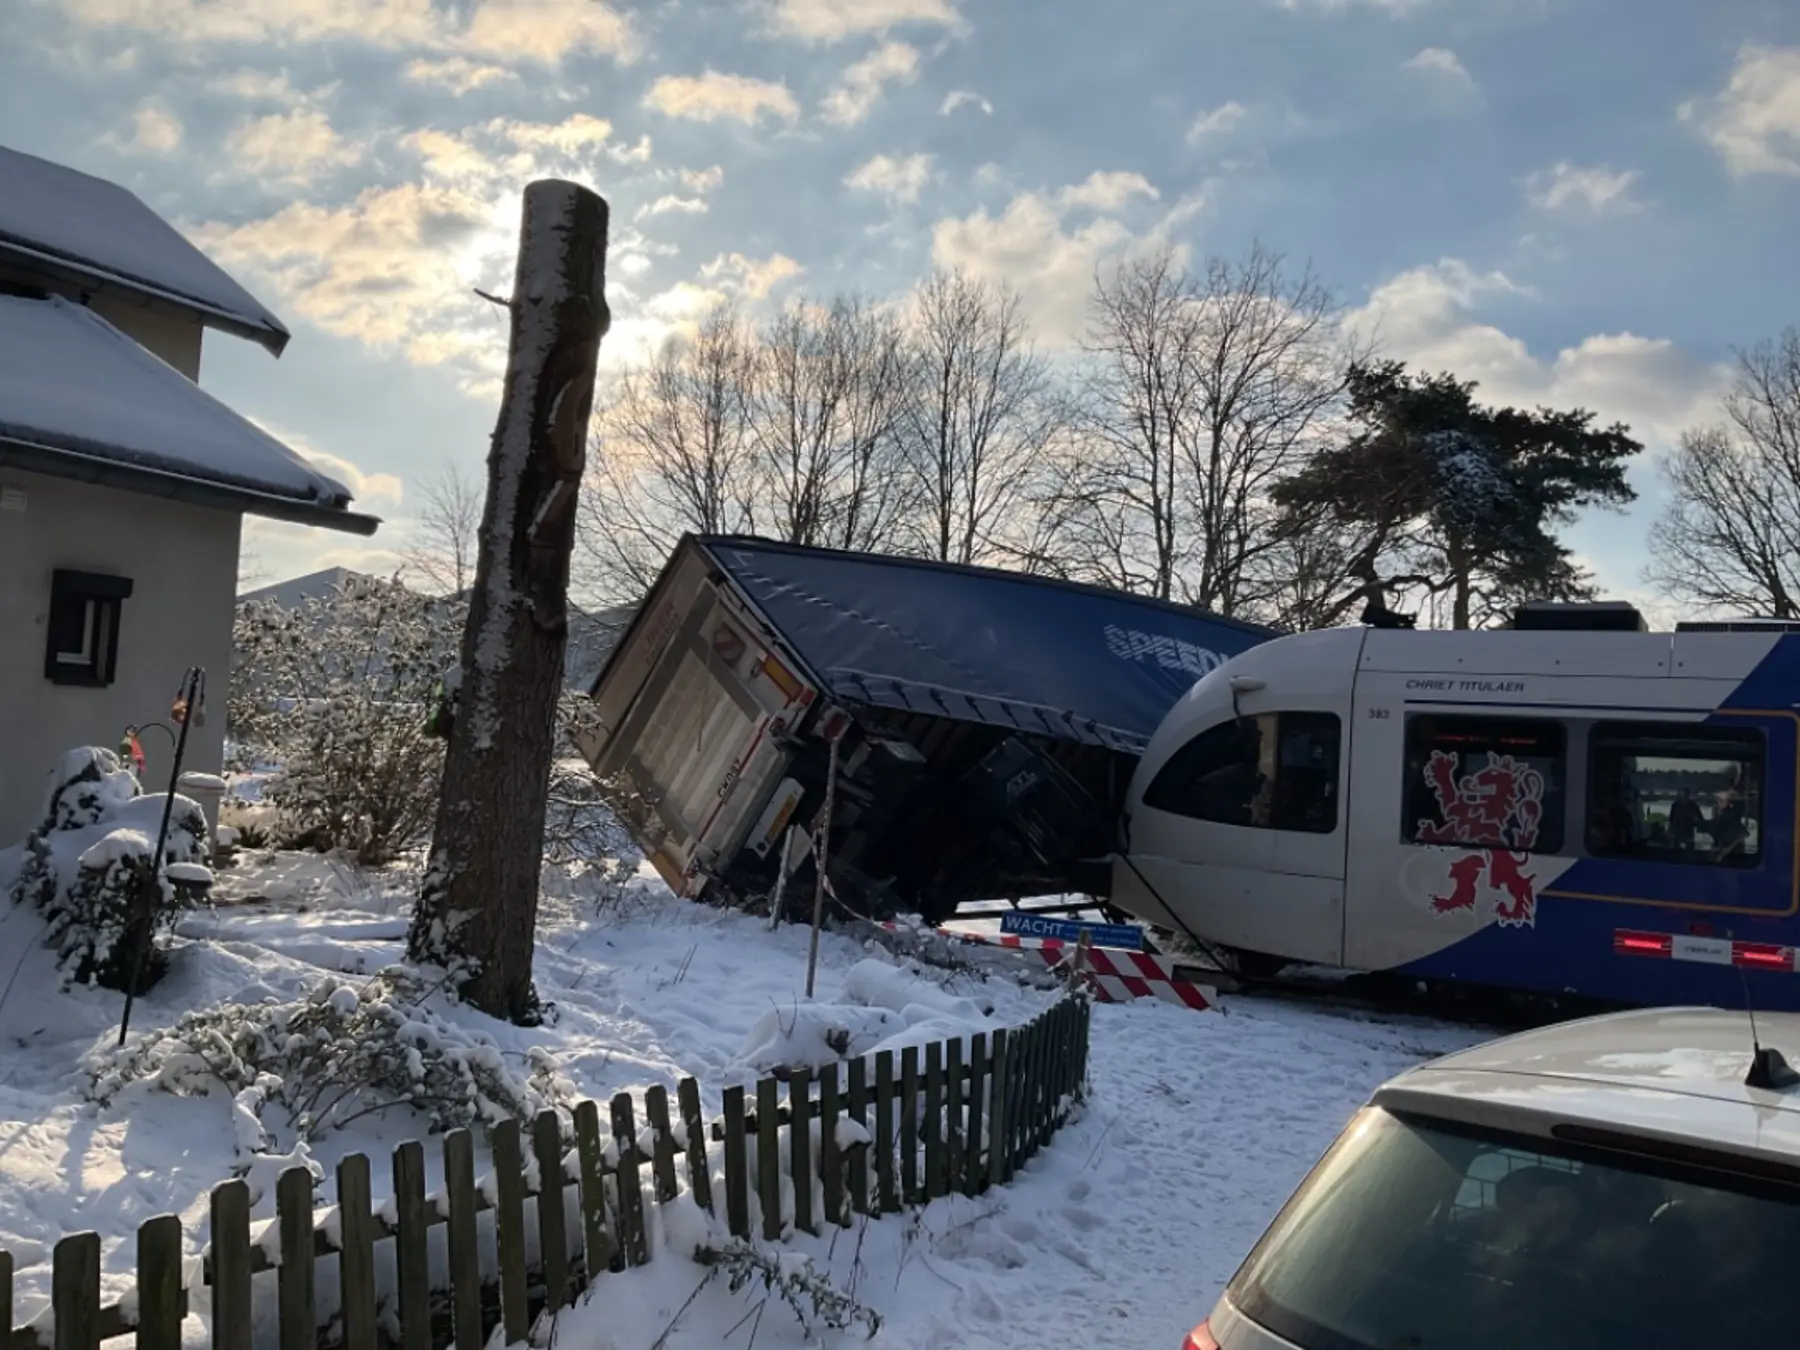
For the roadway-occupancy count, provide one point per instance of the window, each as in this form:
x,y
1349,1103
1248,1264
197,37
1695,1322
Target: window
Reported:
x,y
1484,782
82,644
1275,771
1419,1233
1675,793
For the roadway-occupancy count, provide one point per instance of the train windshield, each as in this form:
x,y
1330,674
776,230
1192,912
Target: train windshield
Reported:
x,y
1428,1237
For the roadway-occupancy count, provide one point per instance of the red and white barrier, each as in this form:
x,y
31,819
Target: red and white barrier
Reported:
x,y
1114,975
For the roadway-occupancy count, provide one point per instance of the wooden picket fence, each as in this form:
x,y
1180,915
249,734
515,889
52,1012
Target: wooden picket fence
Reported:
x,y
957,1117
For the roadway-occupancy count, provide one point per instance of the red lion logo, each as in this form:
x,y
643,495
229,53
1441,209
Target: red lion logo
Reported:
x,y
1498,809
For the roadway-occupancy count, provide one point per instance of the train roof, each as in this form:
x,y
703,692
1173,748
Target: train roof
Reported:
x,y
1670,1075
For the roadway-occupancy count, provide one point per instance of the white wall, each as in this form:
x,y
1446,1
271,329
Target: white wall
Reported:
x,y
183,563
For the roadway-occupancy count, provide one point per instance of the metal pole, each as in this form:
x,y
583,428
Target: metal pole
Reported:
x,y
149,891
821,850
784,860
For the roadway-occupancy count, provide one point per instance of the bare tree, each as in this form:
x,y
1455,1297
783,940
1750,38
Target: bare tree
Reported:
x,y
1205,390
1730,537
828,402
672,452
977,417
445,534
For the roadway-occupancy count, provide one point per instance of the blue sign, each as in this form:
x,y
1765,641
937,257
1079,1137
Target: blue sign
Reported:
x,y
1022,923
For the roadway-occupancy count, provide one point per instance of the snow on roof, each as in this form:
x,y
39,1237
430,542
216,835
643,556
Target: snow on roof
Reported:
x,y
50,214
74,386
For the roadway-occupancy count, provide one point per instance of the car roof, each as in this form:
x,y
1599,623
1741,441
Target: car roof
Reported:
x,y
1671,1074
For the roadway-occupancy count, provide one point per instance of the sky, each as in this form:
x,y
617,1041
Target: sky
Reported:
x,y
1575,202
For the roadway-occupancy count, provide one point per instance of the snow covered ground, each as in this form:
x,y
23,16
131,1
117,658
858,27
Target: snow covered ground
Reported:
x,y
1120,1233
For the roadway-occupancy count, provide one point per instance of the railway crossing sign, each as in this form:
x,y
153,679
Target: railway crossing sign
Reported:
x,y
1023,923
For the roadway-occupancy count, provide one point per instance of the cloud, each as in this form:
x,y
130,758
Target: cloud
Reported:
x,y
395,266
369,489
155,129
669,202
712,96
862,84
277,551
1031,245
260,86
1439,61
957,97
752,278
701,180
536,30
289,147
458,74
834,20
1599,190
1107,191
641,327
901,178
1428,317
1224,118
1754,122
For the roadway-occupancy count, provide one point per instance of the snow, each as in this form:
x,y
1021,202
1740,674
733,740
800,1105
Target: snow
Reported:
x,y
53,209
194,781
123,842
71,381
1120,1233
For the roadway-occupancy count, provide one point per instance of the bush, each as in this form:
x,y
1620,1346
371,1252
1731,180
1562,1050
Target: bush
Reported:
x,y
336,1054
339,691
91,860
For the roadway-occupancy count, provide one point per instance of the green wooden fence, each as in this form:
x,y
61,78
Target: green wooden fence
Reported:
x,y
959,1117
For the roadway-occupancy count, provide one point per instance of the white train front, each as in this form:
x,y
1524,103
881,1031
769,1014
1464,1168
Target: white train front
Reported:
x,y
1609,814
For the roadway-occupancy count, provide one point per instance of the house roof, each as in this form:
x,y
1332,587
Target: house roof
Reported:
x,y
292,592
79,399
71,227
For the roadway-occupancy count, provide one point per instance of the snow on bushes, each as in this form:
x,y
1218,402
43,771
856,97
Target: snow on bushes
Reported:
x,y
90,859
339,691
336,1054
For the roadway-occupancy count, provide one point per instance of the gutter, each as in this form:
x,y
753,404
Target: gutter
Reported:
x,y
77,466
38,266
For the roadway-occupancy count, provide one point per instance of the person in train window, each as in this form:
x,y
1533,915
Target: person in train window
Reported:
x,y
1684,819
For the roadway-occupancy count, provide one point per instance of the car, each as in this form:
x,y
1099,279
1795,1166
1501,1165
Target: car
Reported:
x,y
1622,1181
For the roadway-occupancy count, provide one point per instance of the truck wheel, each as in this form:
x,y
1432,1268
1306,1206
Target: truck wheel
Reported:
x,y
1257,965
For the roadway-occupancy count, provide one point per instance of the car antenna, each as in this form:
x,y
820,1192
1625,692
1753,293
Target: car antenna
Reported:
x,y
1769,1068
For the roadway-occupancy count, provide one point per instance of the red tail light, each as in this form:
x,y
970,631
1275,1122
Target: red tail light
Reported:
x,y
1200,1339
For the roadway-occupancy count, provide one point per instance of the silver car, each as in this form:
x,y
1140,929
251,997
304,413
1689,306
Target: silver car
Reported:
x,y
1615,1183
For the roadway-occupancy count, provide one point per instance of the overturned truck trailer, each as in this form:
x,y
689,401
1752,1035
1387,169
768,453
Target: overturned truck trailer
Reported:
x,y
987,722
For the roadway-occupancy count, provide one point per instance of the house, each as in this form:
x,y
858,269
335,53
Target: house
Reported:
x,y
123,484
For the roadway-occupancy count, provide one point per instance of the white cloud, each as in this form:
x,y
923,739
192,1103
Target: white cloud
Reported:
x,y
701,180
669,202
1332,6
1565,185
957,97
901,177
260,86
1107,191
1754,122
640,327
395,266
834,20
1031,245
533,30
369,489
753,278
711,96
1439,61
289,147
458,74
863,83
1428,317
1224,118
155,129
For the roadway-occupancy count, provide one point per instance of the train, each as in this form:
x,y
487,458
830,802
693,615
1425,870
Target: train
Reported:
x,y
1571,806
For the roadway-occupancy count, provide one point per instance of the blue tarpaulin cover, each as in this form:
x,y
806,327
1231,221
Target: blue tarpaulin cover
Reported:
x,y
977,644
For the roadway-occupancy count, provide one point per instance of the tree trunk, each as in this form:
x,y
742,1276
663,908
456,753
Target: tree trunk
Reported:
x,y
477,913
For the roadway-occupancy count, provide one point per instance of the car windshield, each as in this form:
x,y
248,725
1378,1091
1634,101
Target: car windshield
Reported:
x,y
1419,1236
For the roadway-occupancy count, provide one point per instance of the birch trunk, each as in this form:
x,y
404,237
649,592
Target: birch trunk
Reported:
x,y
477,912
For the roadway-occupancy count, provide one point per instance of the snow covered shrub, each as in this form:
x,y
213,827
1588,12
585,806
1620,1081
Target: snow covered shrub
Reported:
x,y
90,862
338,1053
581,830
340,691
792,1277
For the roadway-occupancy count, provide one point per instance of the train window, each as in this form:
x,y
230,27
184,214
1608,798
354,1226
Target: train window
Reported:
x,y
1276,771
1675,793
1485,782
